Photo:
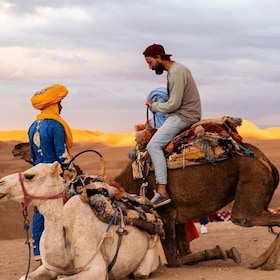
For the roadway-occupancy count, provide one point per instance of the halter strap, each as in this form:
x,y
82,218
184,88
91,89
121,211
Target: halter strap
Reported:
x,y
27,197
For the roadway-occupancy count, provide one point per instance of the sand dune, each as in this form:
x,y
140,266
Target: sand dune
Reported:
x,y
122,139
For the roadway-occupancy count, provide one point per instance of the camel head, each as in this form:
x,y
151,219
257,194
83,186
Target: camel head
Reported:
x,y
22,151
40,182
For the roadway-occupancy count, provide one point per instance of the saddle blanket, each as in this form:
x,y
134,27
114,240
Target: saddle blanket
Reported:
x,y
112,205
207,141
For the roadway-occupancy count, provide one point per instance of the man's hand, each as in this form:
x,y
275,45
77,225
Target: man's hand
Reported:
x,y
149,102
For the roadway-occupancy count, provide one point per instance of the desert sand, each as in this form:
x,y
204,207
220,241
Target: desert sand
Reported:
x,y
251,242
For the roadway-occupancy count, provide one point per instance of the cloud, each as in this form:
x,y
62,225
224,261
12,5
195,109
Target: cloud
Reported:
x,y
95,49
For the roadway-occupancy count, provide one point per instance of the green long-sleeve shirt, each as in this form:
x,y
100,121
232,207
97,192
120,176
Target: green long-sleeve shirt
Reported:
x,y
184,99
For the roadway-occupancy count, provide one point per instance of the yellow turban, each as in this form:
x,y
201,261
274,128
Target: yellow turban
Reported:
x,y
48,96
47,100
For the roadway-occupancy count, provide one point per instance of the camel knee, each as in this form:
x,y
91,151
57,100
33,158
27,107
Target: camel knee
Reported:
x,y
243,222
149,264
264,219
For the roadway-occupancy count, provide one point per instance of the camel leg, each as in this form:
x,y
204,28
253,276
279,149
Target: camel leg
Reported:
x,y
206,255
149,264
232,253
265,218
182,243
40,273
268,260
272,260
95,270
169,243
251,210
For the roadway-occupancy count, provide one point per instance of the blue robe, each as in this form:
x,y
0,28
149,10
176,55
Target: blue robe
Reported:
x,y
47,142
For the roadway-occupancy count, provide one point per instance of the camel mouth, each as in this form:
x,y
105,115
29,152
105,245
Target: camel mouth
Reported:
x,y
16,154
2,195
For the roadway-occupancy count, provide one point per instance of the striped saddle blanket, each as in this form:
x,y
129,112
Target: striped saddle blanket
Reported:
x,y
207,141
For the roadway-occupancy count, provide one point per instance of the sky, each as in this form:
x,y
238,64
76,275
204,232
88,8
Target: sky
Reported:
x,y
95,49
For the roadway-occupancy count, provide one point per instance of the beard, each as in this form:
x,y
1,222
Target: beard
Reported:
x,y
159,69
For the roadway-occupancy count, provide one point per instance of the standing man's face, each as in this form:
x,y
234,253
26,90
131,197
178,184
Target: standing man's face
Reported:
x,y
59,107
155,64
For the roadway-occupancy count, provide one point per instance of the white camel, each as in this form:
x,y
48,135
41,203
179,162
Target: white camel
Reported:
x,y
73,244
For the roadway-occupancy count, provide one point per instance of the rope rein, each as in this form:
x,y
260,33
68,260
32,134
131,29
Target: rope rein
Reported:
x,y
26,200
120,231
27,242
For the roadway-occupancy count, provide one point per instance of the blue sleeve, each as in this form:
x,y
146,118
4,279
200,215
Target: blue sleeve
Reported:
x,y
30,133
59,140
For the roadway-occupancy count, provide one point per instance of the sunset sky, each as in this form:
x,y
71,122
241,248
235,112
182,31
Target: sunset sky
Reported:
x,y
94,48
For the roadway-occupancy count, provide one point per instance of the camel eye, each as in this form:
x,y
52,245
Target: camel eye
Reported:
x,y
29,176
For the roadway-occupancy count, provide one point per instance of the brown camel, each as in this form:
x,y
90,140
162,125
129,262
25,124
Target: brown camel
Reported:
x,y
198,190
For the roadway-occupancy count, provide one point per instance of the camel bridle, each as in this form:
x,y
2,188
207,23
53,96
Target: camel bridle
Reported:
x,y
28,197
26,200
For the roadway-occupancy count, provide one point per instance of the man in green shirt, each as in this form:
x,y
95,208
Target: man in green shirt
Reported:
x,y
183,107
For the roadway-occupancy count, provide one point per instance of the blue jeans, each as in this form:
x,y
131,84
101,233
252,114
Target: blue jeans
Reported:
x,y
204,220
171,127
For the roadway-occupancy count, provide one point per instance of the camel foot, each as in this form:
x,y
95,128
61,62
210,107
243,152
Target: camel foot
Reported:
x,y
206,255
268,267
268,260
232,253
216,253
271,263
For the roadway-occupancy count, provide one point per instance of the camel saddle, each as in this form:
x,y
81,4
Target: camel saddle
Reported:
x,y
207,141
112,205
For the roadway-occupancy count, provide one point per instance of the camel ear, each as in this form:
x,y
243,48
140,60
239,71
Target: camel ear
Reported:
x,y
56,168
